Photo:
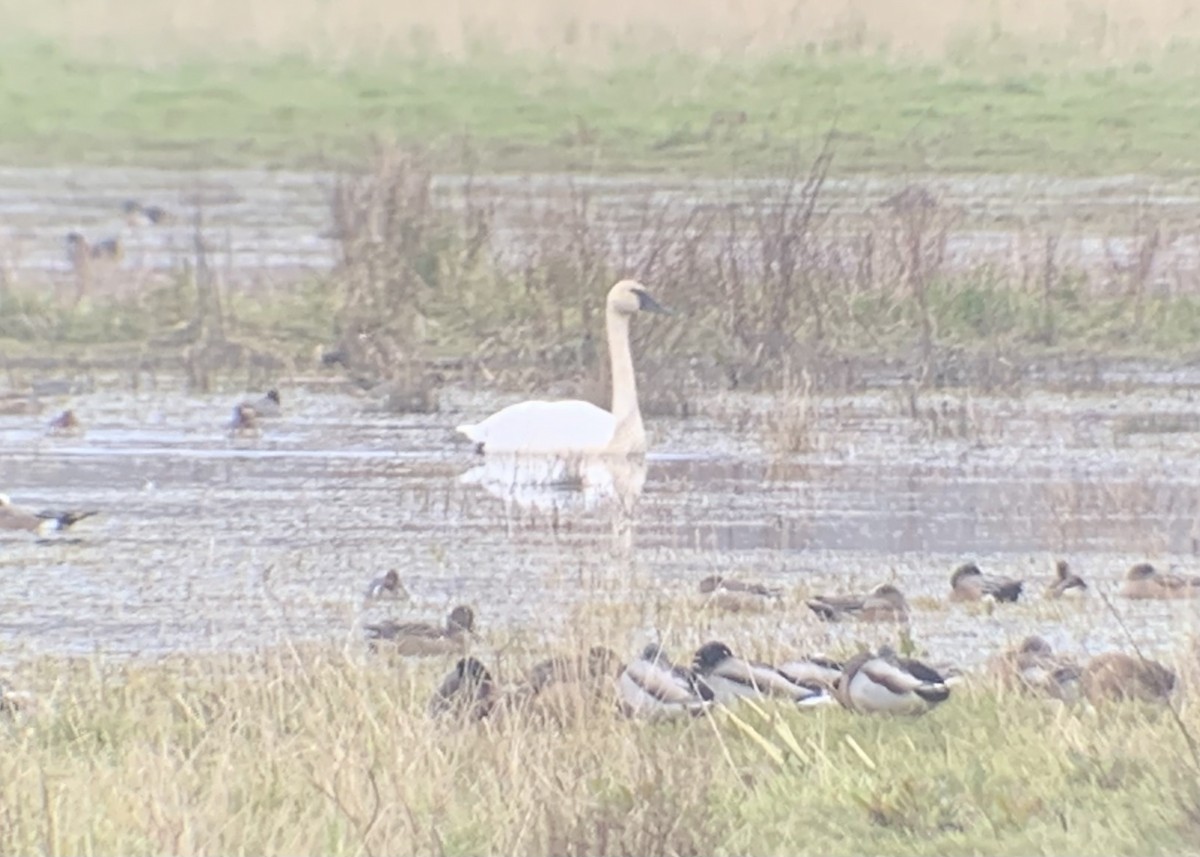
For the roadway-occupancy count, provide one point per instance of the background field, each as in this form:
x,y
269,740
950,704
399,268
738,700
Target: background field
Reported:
x,y
720,88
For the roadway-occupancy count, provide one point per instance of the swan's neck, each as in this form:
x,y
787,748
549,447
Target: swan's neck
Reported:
x,y
629,432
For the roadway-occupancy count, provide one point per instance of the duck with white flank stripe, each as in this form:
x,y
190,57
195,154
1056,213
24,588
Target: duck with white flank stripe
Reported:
x,y
14,517
732,678
652,687
884,683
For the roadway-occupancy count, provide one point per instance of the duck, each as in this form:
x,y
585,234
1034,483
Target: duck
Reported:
x,y
387,585
80,251
1032,667
66,424
968,583
12,701
137,214
244,422
424,638
884,603
1117,677
468,692
812,671
883,683
600,661
575,426
732,678
738,596
1065,582
563,688
13,517
19,404
268,406
654,688
1145,581
913,197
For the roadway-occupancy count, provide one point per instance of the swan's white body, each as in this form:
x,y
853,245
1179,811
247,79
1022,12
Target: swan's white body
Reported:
x,y
572,425
575,426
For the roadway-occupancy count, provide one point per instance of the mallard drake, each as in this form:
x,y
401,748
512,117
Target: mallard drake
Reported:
x,y
884,683
1032,667
424,638
1116,677
884,603
813,671
1145,581
466,693
652,687
387,585
17,518
738,596
1065,582
732,678
968,583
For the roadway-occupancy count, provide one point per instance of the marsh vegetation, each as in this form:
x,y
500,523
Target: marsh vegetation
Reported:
x,y
854,389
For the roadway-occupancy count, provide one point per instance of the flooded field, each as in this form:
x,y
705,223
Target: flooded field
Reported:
x,y
274,227
210,543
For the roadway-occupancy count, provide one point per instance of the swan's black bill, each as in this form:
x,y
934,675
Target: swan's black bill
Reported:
x,y
649,304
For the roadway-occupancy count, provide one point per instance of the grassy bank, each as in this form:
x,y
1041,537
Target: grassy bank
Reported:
x,y
112,93
318,752
674,113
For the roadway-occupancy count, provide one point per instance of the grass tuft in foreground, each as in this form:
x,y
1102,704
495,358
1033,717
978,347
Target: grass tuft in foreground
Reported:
x,y
315,751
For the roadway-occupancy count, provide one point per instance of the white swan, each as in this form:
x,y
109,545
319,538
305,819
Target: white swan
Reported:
x,y
575,426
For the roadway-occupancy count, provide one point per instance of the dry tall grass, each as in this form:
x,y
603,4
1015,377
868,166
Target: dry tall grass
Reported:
x,y
365,29
768,286
319,751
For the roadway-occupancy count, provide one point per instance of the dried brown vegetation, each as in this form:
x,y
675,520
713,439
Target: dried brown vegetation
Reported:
x,y
588,31
772,280
770,283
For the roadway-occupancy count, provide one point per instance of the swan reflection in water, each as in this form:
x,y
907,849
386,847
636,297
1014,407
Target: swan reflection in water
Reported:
x,y
558,484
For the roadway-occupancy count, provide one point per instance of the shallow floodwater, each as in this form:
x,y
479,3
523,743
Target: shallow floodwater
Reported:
x,y
267,228
207,543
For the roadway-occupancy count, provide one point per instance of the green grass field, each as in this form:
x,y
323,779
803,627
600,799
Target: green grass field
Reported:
x,y
999,110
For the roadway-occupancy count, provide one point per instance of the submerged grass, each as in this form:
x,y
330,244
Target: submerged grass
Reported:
x,y
316,751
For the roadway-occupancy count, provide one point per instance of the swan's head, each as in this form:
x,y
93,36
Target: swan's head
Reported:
x,y
629,296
